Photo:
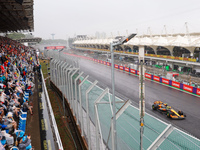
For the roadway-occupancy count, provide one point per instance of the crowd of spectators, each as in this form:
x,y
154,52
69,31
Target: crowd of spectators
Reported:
x,y
17,67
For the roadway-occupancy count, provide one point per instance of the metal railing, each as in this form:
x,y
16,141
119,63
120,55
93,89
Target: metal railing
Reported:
x,y
52,118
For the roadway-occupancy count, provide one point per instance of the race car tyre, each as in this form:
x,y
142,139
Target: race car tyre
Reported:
x,y
168,114
154,107
180,112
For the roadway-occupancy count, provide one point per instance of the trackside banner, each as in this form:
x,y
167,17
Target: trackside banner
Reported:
x,y
126,69
176,84
148,75
156,78
116,66
187,88
121,67
198,91
165,81
133,71
54,47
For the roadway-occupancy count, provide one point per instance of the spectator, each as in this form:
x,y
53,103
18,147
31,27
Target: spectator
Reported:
x,y
23,144
15,73
27,107
10,122
2,97
2,147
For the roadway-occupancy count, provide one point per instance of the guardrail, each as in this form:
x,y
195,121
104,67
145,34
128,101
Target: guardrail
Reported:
x,y
171,83
150,55
52,118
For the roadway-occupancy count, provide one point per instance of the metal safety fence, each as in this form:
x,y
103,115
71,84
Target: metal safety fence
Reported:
x,y
92,108
54,129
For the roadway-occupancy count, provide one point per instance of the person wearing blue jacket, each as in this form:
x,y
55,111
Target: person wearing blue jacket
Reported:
x,y
23,144
2,78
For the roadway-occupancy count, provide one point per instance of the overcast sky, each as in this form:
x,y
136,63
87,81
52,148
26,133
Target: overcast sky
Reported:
x,y
67,18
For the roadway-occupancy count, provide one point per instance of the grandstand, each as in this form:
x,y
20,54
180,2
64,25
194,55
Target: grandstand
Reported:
x,y
17,77
17,85
21,122
172,46
16,15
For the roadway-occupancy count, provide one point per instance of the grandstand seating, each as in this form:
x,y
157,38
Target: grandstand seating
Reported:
x,y
16,66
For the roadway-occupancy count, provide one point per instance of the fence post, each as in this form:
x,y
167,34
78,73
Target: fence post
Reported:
x,y
66,66
64,85
67,81
58,71
56,75
76,95
81,114
69,86
64,76
54,70
51,69
60,75
87,109
63,66
73,90
97,122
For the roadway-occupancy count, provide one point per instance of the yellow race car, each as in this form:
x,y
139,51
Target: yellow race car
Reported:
x,y
164,108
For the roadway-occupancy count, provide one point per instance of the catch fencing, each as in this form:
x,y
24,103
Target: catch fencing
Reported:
x,y
92,108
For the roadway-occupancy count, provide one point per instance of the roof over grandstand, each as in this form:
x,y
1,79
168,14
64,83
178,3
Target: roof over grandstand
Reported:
x,y
16,15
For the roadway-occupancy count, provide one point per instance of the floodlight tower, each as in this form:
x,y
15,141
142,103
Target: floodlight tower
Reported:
x,y
115,43
52,36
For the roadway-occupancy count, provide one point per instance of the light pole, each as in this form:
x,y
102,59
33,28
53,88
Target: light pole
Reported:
x,y
199,57
115,43
59,52
47,53
67,67
47,64
48,68
141,93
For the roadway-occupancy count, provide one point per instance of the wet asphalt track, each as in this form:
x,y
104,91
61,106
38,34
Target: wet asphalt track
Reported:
x,y
126,86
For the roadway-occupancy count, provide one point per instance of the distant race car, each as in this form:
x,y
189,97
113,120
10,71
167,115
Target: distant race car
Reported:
x,y
164,108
